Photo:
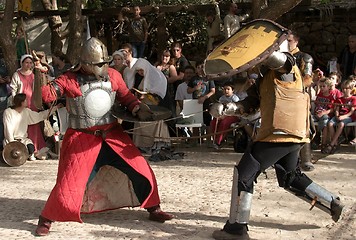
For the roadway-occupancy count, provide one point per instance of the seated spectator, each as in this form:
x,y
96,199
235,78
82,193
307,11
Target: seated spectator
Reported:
x,y
336,93
353,79
336,78
118,61
323,110
16,120
344,110
202,89
317,75
150,86
224,123
182,93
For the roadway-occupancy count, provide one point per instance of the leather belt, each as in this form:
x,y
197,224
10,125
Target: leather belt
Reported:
x,y
98,132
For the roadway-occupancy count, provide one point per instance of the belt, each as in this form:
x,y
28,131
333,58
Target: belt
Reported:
x,y
98,133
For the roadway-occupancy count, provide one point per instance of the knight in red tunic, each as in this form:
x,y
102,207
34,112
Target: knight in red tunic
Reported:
x,y
99,168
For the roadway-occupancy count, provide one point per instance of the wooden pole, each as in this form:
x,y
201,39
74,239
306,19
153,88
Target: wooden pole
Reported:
x,y
25,36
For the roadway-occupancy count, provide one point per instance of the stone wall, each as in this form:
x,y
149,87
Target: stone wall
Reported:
x,y
323,40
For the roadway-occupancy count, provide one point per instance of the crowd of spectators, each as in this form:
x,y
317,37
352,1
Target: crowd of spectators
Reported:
x,y
174,78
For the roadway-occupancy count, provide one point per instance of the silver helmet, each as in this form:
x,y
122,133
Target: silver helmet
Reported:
x,y
94,58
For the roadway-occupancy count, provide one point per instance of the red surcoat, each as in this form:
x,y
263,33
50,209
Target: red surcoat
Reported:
x,y
79,152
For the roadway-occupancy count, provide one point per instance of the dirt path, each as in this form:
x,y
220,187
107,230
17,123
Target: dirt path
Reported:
x,y
195,189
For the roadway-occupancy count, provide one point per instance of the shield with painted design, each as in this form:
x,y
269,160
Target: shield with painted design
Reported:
x,y
248,47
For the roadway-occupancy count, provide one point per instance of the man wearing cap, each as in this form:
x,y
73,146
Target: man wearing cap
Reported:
x,y
99,167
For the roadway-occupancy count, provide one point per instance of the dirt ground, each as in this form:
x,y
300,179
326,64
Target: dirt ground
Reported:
x,y
195,189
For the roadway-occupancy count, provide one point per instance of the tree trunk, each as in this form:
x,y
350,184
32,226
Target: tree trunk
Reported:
x,y
76,30
161,34
6,42
55,23
257,6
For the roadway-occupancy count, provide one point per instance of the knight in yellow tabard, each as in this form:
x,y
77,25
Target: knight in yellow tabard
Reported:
x,y
284,105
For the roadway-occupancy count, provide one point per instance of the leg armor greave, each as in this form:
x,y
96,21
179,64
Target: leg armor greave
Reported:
x,y
303,187
245,172
240,203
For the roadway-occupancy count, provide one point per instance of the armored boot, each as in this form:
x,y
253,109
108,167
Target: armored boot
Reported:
x,y
233,231
303,187
321,198
305,158
236,227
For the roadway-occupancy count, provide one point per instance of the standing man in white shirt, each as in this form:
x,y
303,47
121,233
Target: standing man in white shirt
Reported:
x,y
232,21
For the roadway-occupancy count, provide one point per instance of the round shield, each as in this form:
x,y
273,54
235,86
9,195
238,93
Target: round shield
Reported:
x,y
249,46
15,154
158,113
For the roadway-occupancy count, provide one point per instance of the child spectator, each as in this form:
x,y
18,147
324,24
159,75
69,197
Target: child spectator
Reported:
x,y
138,33
224,123
353,79
335,77
317,75
343,112
323,109
336,93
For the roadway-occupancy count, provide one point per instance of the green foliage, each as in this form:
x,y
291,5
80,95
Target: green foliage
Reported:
x,y
122,3
182,26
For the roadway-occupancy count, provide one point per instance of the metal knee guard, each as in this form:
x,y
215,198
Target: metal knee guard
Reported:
x,y
303,187
306,157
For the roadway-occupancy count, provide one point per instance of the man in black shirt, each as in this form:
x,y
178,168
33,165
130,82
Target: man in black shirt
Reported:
x,y
346,62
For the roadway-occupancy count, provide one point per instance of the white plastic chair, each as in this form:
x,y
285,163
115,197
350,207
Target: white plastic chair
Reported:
x,y
193,110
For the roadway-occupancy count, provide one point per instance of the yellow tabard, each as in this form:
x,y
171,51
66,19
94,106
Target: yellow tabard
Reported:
x,y
284,109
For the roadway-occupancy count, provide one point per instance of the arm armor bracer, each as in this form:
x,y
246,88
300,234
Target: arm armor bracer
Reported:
x,y
308,64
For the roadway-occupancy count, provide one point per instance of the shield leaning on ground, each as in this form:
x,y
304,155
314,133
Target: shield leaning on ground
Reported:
x,y
15,154
248,47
